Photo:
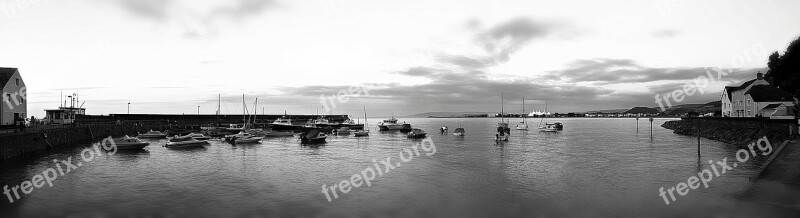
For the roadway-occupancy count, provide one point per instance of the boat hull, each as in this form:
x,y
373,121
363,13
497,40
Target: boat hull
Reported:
x,y
279,127
131,146
187,144
145,136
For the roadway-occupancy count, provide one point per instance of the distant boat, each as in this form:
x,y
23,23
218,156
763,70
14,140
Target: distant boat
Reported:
x,y
365,130
549,127
153,135
502,128
349,123
443,129
343,131
185,142
129,143
524,124
417,133
459,131
284,124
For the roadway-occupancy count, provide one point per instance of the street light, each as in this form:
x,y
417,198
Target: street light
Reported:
x,y
129,108
198,109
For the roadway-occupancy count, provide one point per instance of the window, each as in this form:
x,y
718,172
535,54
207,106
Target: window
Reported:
x,y
16,81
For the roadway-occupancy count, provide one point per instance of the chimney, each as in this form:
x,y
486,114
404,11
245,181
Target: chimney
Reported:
x,y
760,76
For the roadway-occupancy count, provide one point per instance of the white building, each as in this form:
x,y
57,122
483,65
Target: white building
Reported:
x,y
15,104
750,98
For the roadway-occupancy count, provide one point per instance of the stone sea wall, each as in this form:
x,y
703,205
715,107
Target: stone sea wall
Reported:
x,y
33,141
736,131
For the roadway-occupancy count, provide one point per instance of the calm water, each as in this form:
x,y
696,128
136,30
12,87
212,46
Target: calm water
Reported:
x,y
595,167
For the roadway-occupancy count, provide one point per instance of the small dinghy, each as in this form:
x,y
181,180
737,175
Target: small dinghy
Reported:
x,y
128,143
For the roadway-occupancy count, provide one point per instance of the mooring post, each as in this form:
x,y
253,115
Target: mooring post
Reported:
x,y
651,128
637,124
698,141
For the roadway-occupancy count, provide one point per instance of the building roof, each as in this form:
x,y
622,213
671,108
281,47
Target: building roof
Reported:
x,y
771,106
5,75
744,85
765,93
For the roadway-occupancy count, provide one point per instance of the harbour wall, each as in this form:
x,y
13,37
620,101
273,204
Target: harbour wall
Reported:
x,y
736,131
29,142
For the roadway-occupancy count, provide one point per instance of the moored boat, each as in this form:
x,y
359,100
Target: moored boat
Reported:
x,y
417,134
313,137
390,124
459,131
152,135
198,136
364,131
284,124
130,143
342,131
502,127
523,125
185,142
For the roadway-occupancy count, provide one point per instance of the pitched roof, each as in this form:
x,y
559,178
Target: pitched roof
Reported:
x,y
771,106
5,75
763,93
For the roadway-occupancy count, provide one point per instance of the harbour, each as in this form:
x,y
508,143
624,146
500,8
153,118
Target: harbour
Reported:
x,y
559,171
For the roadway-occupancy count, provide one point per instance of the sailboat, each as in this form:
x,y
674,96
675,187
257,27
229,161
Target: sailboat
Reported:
x,y
523,125
365,131
502,128
548,127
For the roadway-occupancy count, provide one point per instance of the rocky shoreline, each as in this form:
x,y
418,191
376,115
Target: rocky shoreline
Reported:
x,y
738,133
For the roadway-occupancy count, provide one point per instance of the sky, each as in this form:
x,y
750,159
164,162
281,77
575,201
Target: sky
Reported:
x,y
414,56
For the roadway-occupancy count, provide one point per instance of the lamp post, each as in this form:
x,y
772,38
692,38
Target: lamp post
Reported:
x,y
198,109
129,108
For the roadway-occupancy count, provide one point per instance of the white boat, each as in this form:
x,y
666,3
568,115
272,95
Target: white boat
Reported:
x,y
523,125
549,127
128,143
390,124
185,142
198,136
238,135
248,140
443,129
152,135
364,131
235,127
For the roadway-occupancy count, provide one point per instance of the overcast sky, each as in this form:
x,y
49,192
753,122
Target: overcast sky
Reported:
x,y
169,56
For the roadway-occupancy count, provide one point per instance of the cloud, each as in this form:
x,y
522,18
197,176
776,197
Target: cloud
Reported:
x,y
497,43
668,33
611,71
196,19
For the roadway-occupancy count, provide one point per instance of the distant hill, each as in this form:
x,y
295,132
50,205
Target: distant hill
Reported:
x,y
642,110
609,111
443,114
